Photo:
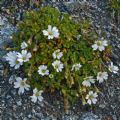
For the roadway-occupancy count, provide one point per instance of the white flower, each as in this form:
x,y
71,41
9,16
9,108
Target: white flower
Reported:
x,y
24,56
76,66
24,45
51,32
100,45
57,54
88,81
91,97
101,76
21,84
42,70
78,37
37,95
113,68
11,57
58,66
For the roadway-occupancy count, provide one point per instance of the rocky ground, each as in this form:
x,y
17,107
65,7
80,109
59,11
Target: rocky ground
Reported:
x,y
15,107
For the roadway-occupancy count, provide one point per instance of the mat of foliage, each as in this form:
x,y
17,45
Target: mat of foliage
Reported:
x,y
75,51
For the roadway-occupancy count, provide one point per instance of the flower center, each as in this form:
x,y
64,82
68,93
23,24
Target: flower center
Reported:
x,y
37,94
22,83
24,58
90,97
56,66
98,43
50,33
43,71
57,53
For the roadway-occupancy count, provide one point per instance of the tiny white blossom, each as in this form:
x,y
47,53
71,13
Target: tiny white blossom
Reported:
x,y
78,37
88,81
24,45
101,76
57,54
51,32
11,57
76,67
42,70
58,65
24,56
21,85
113,68
100,45
91,97
37,95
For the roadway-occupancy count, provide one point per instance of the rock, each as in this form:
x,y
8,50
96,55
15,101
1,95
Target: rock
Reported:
x,y
29,116
16,107
102,105
89,116
12,79
1,69
70,116
5,34
19,103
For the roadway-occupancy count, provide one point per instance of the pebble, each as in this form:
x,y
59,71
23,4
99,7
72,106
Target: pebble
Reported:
x,y
102,105
12,79
19,103
29,116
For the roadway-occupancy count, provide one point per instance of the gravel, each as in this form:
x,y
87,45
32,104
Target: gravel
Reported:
x,y
15,107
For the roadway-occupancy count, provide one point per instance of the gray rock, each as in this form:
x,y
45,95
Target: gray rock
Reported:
x,y
5,34
89,116
18,107
5,37
102,105
70,116
19,103
12,79
1,69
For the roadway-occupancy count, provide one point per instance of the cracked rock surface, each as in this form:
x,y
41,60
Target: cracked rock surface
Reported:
x,y
15,107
